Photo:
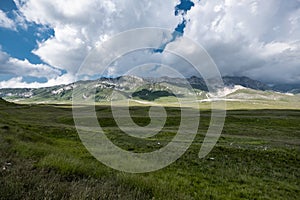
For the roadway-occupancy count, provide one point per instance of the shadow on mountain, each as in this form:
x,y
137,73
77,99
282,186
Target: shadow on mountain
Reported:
x,y
5,103
151,95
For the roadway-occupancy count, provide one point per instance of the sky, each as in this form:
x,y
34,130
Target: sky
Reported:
x,y
44,42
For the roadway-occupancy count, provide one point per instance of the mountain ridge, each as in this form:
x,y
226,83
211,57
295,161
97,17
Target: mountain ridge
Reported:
x,y
126,85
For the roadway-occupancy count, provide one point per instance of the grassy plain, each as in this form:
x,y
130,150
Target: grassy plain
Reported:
x,y
42,157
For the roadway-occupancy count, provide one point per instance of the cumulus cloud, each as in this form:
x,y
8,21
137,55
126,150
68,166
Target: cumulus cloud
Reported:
x,y
16,67
19,82
254,38
80,25
6,22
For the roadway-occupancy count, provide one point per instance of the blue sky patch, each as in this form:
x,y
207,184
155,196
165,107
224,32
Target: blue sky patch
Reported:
x,y
183,7
20,43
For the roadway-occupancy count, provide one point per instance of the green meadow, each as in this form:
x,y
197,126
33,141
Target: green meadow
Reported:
x,y
256,157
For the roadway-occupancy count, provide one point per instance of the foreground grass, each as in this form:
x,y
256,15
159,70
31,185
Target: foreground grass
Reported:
x,y
41,156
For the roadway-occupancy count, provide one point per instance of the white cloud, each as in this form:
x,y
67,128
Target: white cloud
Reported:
x,y
6,22
18,82
16,67
254,38
79,25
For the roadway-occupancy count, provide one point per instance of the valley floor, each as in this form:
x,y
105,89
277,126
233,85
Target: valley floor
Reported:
x,y
42,157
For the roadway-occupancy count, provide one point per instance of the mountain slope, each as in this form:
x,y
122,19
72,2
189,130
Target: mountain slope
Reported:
x,y
107,89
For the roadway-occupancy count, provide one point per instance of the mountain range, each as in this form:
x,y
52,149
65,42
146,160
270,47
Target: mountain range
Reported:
x,y
151,89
